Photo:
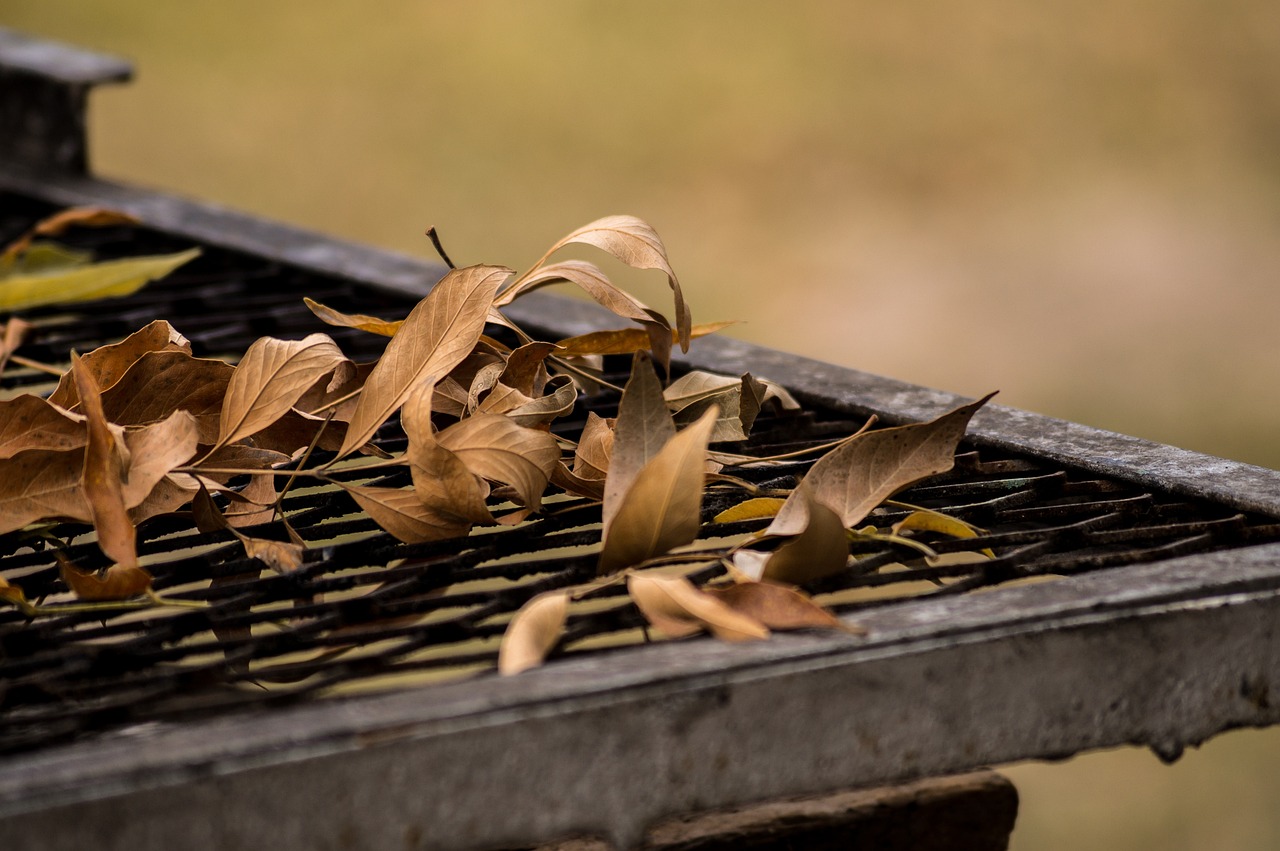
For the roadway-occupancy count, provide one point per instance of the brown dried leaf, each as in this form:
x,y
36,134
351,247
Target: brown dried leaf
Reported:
x,y
363,322
105,466
270,378
29,422
154,452
526,369
778,606
539,412
403,514
663,507
857,476
635,243
821,550
280,556
496,448
595,448
533,631
107,364
42,484
59,222
643,427
254,503
625,341
162,382
437,335
676,606
118,582
15,331
441,480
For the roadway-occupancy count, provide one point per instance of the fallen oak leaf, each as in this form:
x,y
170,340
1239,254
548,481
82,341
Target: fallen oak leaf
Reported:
x,y
860,474
534,630
678,608
437,335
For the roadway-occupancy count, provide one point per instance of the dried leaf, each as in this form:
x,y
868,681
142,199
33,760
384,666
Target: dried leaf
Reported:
x,y
820,550
778,606
625,341
495,448
104,472
154,452
15,331
280,556
526,369
118,582
533,631
162,382
437,335
107,364
676,606
42,484
59,222
270,378
254,504
363,322
29,422
857,476
12,594
108,279
663,507
635,243
595,448
752,509
944,524
403,514
443,483
643,427
539,412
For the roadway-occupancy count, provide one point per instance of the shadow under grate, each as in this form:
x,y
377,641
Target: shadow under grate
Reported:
x,y
369,612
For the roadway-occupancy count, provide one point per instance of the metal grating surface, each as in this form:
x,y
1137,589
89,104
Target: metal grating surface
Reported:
x,y
368,612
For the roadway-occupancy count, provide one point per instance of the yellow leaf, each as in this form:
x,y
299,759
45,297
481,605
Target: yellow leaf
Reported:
x,y
625,341
108,279
751,509
944,524
361,321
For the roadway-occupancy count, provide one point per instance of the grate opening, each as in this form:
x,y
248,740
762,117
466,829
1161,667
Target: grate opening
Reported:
x,y
367,612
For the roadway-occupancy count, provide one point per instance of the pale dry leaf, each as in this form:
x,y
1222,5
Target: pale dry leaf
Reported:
x,y
254,503
533,631
360,321
663,507
59,222
820,550
105,466
403,514
270,378
678,608
441,481
643,426
29,422
15,331
539,412
161,382
860,474
498,449
595,448
778,607
154,452
107,364
437,335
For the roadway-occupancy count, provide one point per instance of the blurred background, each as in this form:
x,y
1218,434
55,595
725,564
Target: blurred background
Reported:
x,y
1077,203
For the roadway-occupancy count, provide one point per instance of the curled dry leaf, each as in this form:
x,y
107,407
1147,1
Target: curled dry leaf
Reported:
x,y
436,336
496,448
533,631
539,412
162,382
404,515
663,507
860,474
105,465
118,582
779,607
820,550
60,222
155,451
15,331
626,341
272,376
280,556
360,321
739,400
441,480
595,447
679,608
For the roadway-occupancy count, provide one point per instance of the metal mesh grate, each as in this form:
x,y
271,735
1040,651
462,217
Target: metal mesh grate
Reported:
x,y
369,612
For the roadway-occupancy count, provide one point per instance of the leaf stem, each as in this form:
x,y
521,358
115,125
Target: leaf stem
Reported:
x,y
435,242
36,365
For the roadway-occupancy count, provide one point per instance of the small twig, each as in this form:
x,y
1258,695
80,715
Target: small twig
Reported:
x,y
36,365
435,241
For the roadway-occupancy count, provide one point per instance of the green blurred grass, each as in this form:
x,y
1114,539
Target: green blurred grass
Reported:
x,y
1077,203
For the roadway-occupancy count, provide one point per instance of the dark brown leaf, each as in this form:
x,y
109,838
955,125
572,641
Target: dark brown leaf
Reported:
x,y
104,474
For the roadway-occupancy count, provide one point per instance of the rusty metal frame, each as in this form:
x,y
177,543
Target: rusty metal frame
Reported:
x,y
1163,655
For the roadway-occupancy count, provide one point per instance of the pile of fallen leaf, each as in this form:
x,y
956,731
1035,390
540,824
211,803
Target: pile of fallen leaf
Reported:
x,y
143,428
